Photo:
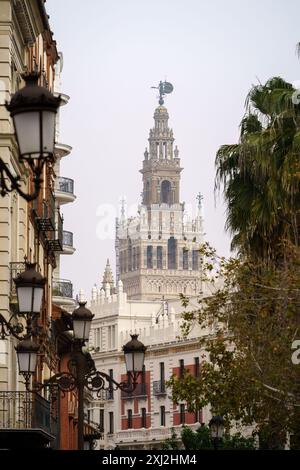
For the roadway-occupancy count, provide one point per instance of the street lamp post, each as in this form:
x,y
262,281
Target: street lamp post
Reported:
x,y
33,109
216,426
30,288
82,372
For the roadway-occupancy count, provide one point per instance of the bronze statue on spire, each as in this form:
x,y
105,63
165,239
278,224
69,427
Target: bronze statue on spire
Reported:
x,y
164,88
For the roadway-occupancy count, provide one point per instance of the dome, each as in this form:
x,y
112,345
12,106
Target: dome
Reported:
x,y
161,111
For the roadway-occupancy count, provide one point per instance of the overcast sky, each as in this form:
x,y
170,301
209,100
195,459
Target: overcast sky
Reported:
x,y
114,51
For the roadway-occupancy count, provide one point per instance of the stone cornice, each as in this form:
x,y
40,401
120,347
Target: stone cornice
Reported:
x,y
25,21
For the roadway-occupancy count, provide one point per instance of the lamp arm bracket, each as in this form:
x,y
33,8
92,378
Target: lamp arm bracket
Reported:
x,y
15,180
7,328
95,381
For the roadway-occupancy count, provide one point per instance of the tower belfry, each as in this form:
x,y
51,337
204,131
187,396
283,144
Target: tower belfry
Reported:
x,y
158,251
161,166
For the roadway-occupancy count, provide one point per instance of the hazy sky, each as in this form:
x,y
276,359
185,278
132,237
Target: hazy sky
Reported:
x,y
114,51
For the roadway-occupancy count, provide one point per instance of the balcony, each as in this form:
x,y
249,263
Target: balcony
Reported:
x,y
159,388
24,420
67,241
64,98
62,150
44,214
139,392
62,292
64,190
55,237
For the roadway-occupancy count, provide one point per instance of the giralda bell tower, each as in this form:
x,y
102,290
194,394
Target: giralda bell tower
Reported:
x,y
158,251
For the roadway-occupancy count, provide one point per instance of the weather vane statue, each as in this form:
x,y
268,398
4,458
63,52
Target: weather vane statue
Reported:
x,y
164,88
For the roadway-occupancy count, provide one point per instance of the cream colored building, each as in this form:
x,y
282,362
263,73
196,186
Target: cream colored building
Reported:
x,y
32,230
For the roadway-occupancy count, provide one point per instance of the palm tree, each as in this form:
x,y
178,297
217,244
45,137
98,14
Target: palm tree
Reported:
x,y
260,174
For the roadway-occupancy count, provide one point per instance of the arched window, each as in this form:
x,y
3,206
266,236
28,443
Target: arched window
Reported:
x,y
147,196
165,193
149,257
129,255
185,258
172,253
159,257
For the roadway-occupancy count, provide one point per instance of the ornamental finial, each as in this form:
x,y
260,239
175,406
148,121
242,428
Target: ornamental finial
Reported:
x,y
164,88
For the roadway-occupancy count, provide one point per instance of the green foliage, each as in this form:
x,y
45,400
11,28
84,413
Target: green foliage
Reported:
x,y
249,321
260,174
201,440
172,443
250,317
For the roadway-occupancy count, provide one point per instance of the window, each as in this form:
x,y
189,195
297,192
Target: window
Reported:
x,y
182,414
110,392
101,420
144,420
185,258
129,255
172,253
109,337
162,376
113,337
159,257
197,416
143,384
98,342
149,257
195,259
129,419
111,422
111,332
197,367
165,193
181,368
162,416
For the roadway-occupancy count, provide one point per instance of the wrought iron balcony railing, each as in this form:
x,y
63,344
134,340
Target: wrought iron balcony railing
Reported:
x,y
55,240
159,387
68,238
45,215
65,185
24,410
139,391
62,288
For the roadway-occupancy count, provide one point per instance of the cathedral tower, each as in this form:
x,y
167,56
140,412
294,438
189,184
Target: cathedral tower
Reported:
x,y
157,252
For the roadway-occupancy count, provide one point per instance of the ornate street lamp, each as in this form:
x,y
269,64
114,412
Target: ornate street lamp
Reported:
x,y
134,352
33,110
27,352
82,320
82,372
216,426
30,287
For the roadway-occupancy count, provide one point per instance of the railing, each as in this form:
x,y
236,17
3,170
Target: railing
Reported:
x,y
24,410
46,219
68,238
55,240
65,185
15,269
139,391
159,387
62,288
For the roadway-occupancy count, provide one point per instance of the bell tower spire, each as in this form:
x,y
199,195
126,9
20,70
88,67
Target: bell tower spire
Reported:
x,y
158,250
161,166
